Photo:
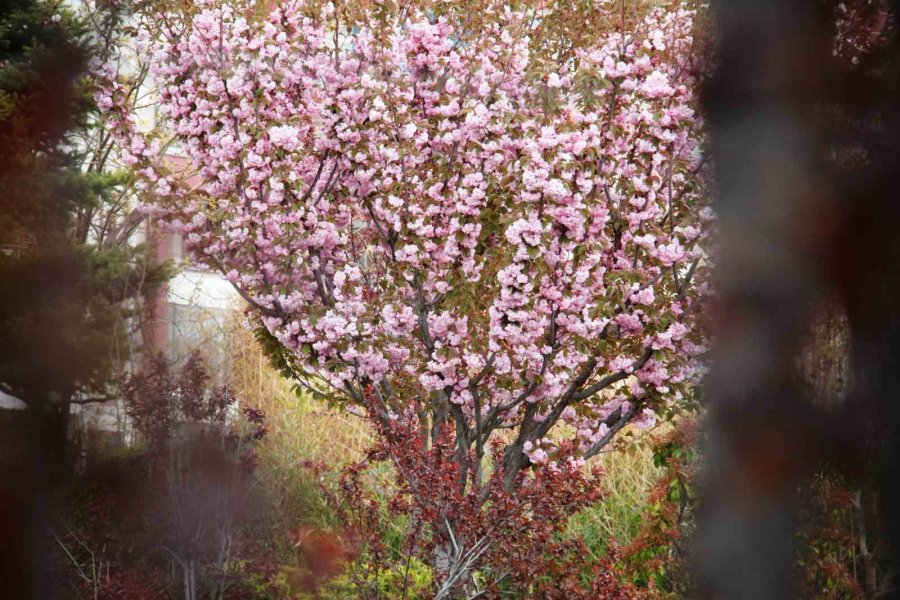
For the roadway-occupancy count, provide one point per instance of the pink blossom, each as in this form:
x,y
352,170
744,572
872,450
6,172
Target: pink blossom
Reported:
x,y
408,212
656,85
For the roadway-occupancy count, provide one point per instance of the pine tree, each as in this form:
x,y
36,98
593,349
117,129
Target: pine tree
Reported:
x,y
69,279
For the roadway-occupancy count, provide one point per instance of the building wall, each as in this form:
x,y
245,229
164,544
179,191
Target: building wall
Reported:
x,y
197,307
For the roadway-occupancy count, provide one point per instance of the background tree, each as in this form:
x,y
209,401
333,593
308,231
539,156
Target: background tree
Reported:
x,y
70,275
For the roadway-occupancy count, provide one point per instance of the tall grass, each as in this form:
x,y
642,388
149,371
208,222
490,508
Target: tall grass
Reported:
x,y
629,474
300,430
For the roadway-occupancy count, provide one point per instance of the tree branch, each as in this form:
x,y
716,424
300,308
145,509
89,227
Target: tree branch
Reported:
x,y
619,423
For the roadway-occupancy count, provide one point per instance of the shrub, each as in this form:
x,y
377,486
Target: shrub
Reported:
x,y
179,514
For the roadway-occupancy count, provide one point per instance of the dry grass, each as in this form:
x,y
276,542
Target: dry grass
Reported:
x,y
301,430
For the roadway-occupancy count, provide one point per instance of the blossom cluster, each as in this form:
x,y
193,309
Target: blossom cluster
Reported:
x,y
436,213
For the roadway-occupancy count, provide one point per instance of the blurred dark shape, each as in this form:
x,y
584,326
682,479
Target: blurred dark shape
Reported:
x,y
39,66
65,293
804,120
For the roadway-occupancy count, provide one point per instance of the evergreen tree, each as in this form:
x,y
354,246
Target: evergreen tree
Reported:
x,y
69,279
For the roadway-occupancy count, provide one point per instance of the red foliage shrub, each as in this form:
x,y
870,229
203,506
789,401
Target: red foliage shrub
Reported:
x,y
655,559
512,540
827,564
835,525
157,400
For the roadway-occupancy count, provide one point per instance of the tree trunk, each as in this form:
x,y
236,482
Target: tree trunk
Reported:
x,y
514,460
189,579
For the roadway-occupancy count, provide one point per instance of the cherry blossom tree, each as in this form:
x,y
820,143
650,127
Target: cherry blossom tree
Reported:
x,y
490,228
